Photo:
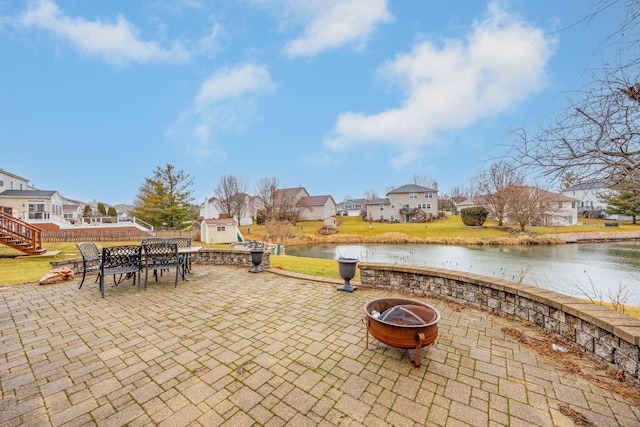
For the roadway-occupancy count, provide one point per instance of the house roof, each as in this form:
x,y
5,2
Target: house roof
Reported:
x,y
280,192
588,185
318,200
27,193
411,188
220,221
4,172
383,201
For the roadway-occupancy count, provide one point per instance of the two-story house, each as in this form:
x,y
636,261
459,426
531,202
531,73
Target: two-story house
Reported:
x,y
409,203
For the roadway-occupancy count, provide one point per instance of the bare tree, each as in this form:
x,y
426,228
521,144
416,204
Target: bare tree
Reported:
x,y
231,196
266,190
370,194
424,181
598,135
597,138
527,205
492,188
460,192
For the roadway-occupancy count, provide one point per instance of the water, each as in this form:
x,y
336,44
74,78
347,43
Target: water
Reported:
x,y
608,271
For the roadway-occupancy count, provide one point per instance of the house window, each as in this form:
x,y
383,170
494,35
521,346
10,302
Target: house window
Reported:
x,y
381,207
405,206
428,195
36,209
573,204
428,205
413,195
559,205
392,218
393,206
221,229
382,217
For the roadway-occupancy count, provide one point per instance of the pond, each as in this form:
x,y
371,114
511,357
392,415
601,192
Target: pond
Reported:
x,y
608,271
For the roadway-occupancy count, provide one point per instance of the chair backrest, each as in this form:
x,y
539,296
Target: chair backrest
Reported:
x,y
157,255
150,240
89,251
182,242
121,259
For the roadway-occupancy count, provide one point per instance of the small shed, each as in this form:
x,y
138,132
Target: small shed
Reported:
x,y
330,223
221,230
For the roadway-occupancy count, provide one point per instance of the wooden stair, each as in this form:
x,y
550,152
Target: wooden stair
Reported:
x,y
20,235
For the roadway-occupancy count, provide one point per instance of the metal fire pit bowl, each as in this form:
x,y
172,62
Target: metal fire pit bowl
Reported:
x,y
403,336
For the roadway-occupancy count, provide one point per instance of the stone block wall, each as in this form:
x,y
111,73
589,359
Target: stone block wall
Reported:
x,y
609,335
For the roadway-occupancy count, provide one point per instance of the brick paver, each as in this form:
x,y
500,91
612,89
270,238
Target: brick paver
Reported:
x,y
233,348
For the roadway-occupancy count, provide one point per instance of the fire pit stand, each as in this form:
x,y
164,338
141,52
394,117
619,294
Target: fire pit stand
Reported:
x,y
410,336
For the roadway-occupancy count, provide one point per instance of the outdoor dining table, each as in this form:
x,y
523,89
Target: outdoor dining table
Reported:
x,y
186,261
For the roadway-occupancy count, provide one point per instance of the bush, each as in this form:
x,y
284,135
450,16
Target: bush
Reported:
x,y
474,217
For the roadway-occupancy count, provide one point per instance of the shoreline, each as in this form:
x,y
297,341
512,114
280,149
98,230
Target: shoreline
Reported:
x,y
526,240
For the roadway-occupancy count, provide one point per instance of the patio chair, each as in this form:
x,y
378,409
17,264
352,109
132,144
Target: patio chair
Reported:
x,y
183,242
90,258
122,261
150,240
161,256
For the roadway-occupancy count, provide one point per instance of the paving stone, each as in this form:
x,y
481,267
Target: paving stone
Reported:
x,y
232,348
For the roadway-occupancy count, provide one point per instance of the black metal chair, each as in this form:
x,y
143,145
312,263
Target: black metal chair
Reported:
x,y
161,256
90,258
120,260
185,258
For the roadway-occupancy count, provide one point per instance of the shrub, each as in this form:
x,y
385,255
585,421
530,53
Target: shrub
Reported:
x,y
474,217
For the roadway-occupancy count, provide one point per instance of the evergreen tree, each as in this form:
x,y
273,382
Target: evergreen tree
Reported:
x,y
165,199
112,212
102,209
622,202
87,211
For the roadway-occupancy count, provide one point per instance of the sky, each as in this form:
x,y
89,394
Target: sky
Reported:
x,y
341,97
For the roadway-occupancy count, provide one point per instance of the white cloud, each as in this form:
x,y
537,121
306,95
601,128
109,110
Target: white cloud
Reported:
x,y
494,68
116,42
227,100
329,24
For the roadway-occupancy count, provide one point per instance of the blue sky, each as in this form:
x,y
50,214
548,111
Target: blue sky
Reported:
x,y
338,96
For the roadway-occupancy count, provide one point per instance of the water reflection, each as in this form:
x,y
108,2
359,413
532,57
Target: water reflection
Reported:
x,y
599,270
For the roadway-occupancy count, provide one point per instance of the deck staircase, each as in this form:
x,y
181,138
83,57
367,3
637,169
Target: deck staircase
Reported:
x,y
20,235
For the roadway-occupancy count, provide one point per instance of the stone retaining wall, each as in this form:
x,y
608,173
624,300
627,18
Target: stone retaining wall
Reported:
x,y
204,256
611,336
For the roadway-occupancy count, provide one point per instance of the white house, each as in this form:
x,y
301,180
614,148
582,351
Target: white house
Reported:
x,y
409,203
222,230
588,194
209,209
352,207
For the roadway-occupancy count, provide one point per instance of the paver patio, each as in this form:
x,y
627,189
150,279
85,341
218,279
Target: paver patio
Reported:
x,y
232,348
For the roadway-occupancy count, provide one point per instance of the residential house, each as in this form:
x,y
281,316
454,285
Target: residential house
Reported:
x,y
319,208
209,208
308,208
221,230
588,194
408,203
9,181
34,205
352,207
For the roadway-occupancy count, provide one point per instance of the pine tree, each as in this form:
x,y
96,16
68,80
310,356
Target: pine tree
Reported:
x,y
165,200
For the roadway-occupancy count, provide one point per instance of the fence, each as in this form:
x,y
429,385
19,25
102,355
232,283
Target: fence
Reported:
x,y
107,235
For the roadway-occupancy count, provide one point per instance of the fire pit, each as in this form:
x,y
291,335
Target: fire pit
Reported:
x,y
402,323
